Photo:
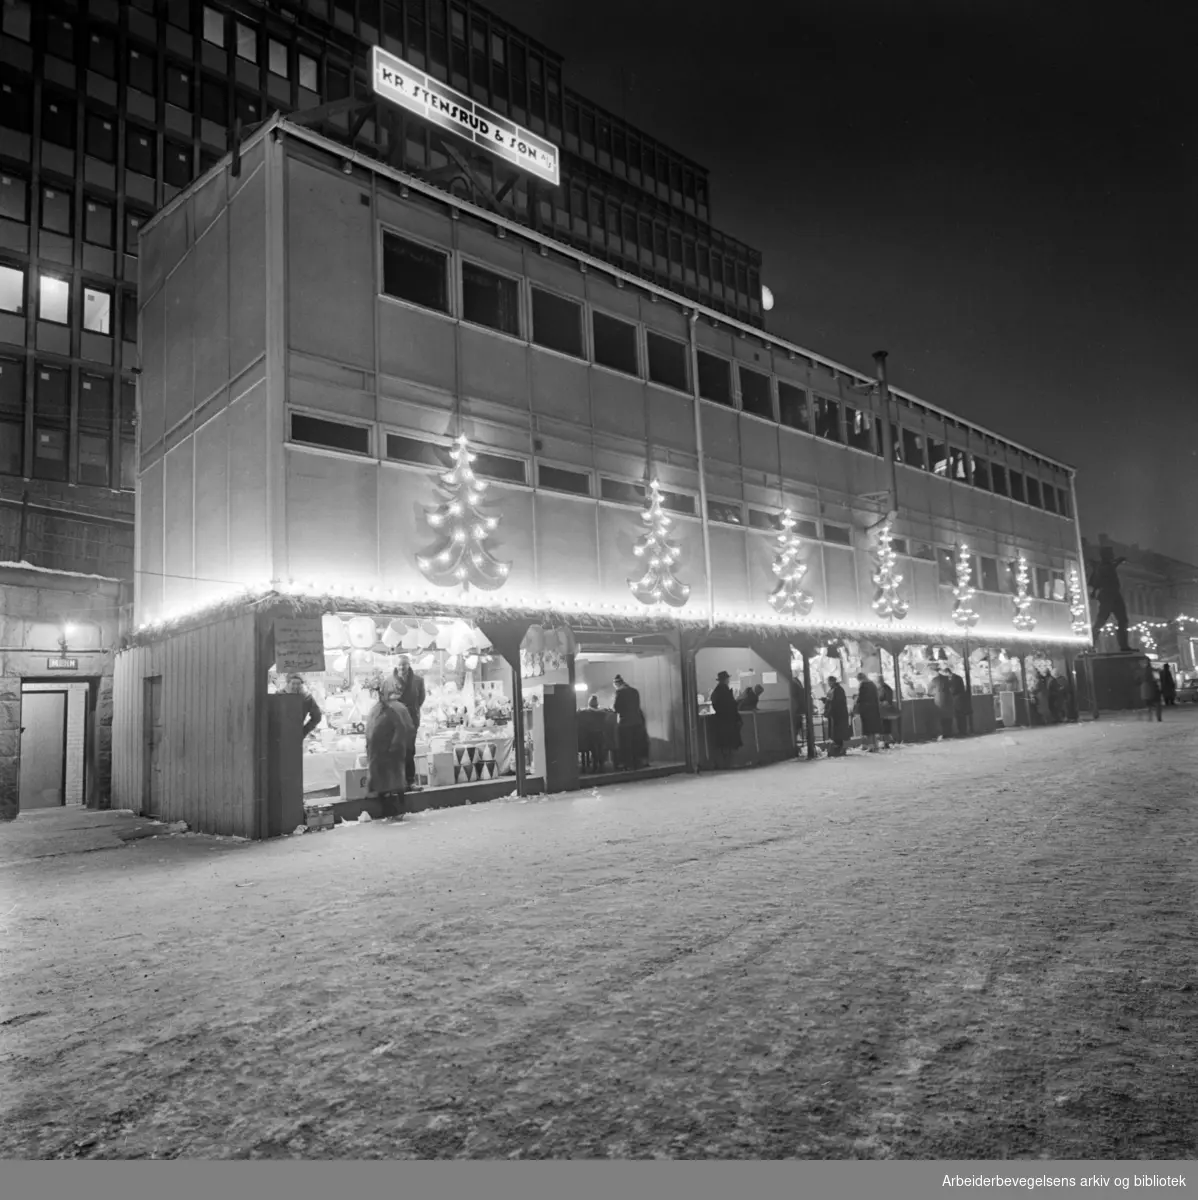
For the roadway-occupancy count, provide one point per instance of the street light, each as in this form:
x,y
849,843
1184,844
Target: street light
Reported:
x,y
767,298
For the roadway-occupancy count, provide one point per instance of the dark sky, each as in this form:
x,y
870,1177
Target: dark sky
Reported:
x,y
1003,195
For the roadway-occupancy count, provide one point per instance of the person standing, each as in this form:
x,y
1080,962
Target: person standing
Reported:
x,y
725,723
630,731
1056,698
407,688
1043,705
749,698
889,711
839,729
389,734
1168,686
940,690
590,736
1150,692
960,697
798,706
869,709
312,713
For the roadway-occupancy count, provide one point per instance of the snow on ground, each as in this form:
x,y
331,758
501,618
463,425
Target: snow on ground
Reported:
x,y
973,949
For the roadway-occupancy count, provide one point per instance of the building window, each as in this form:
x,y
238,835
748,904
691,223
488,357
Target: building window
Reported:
x,y
1050,498
139,151
1016,486
499,466
58,122
827,418
667,361
557,323
946,562
989,574
16,107
957,465
755,393
52,401
308,73
277,58
50,454
54,300
679,502
558,479
178,87
93,460
12,443
101,55
1063,502
615,343
418,451
726,512
333,435
621,492
56,211
14,199
178,13
248,108
143,72
1033,493
133,223
247,42
12,289
95,402
176,165
840,534
792,406
99,138
981,472
98,224
715,378
60,38
17,19
490,299
998,479
97,311
214,26
415,273
858,426
937,457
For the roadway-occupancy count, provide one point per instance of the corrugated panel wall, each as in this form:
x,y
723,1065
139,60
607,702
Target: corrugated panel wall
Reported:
x,y
208,722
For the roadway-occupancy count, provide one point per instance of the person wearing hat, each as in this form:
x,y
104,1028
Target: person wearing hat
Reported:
x,y
940,689
839,729
750,697
405,687
631,736
591,721
725,723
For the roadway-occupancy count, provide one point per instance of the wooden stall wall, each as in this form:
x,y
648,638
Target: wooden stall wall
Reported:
x,y
209,727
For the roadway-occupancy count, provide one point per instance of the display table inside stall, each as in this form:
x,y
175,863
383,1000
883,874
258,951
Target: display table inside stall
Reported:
x,y
766,736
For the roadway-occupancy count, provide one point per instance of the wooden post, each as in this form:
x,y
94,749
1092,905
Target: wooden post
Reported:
x,y
898,694
810,708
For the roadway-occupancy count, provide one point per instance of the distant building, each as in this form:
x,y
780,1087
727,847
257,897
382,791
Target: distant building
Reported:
x,y
1161,594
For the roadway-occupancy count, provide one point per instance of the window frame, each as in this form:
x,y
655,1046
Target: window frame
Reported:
x,y
387,231
712,357
562,297
107,292
686,362
743,370
598,314
467,261
311,414
566,468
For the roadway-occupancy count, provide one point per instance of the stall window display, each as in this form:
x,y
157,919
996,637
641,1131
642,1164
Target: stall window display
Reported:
x,y
465,730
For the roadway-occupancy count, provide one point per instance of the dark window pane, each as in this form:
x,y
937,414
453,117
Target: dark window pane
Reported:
x,y
827,418
178,87
760,519
128,465
667,361
998,479
12,386
12,444
958,466
914,451
838,534
715,378
725,511
792,406
133,223
1063,506
177,164
214,101
249,108
101,55
622,492
755,393
1016,485
95,401
490,299
415,450
858,426
679,502
337,87
100,138
93,460
1033,493
333,434
416,273
615,343
16,106
98,224
981,473
1050,498
142,71
56,211
560,480
129,315
58,121
52,400
557,322
937,457
499,466
989,574
50,454
178,12
140,151
60,37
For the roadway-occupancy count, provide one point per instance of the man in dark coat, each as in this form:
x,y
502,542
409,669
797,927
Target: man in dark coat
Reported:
x,y
960,698
630,732
869,709
1108,595
407,688
798,706
839,728
725,724
1168,686
389,735
749,698
940,690
887,707
312,713
590,736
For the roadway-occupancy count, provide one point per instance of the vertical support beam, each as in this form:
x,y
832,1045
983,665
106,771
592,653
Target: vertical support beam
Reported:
x,y
692,321
810,714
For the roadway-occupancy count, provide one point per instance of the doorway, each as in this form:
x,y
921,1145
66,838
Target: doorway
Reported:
x,y
152,764
43,778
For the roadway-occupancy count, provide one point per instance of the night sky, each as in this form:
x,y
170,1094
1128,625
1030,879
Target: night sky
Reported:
x,y
1003,195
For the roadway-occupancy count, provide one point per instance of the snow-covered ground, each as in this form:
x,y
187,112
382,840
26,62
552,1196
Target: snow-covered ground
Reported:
x,y
972,949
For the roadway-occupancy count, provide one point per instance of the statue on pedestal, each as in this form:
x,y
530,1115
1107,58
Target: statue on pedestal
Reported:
x,y
1108,596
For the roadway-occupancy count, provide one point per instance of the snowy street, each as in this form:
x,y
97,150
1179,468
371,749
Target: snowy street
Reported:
x,y
975,949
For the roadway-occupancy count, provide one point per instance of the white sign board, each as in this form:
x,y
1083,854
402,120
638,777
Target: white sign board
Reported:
x,y
299,645
402,84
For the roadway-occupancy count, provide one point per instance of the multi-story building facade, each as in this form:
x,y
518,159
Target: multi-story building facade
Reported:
x,y
321,330
109,108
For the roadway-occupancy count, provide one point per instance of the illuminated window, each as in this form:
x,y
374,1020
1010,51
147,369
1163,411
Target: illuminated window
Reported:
x,y
937,457
12,289
308,73
557,323
957,465
615,343
54,300
858,426
97,311
415,273
214,26
277,58
827,418
247,42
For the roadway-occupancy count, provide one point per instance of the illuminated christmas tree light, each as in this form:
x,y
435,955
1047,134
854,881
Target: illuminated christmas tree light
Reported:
x,y
788,597
462,558
963,612
1077,604
1023,619
659,584
887,602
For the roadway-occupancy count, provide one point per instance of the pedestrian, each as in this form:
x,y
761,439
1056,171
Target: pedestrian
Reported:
x,y
630,730
798,707
839,729
940,690
889,711
406,687
390,733
591,721
1056,698
749,698
961,705
869,709
725,723
1150,692
1043,707
1168,686
312,713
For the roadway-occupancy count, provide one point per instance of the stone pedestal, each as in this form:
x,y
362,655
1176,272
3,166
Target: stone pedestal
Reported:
x,y
1110,682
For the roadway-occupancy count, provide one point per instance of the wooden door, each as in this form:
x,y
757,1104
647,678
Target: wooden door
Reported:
x,y
43,750
152,725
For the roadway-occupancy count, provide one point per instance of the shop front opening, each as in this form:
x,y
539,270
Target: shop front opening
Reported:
x,y
628,692
763,729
